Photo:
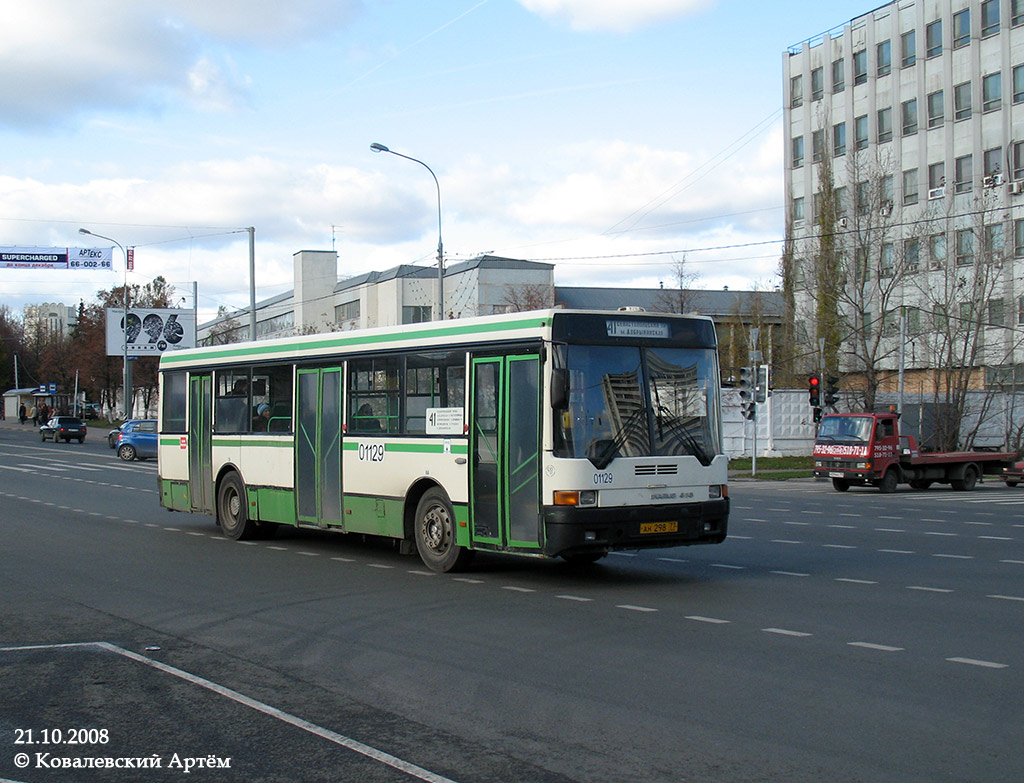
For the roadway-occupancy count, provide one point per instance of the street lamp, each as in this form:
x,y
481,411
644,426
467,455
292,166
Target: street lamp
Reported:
x,y
127,377
376,147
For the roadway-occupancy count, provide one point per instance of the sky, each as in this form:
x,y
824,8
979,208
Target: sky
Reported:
x,y
612,139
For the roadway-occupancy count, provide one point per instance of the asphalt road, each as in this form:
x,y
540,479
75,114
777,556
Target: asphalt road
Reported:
x,y
833,637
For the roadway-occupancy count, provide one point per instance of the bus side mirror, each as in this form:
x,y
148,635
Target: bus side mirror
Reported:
x,y
559,389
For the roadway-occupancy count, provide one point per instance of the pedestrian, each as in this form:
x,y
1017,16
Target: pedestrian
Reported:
x,y
34,415
21,414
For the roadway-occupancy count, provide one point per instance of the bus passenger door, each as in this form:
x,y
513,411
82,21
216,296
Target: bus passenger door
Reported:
x,y
318,447
505,449
200,442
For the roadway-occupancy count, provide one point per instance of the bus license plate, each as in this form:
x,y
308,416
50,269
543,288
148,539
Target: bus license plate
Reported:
x,y
659,527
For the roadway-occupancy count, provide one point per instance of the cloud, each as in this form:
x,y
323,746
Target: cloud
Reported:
x,y
614,15
74,56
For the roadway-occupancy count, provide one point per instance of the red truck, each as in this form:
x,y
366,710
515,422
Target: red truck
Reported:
x,y
866,449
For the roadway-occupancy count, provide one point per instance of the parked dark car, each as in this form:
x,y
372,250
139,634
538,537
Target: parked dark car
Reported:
x,y
137,440
65,428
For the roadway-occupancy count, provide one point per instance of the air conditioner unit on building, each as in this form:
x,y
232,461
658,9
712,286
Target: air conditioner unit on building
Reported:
x,y
1016,188
886,209
934,193
842,222
992,181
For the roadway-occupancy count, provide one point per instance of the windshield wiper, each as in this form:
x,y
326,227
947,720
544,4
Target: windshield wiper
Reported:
x,y
676,428
609,449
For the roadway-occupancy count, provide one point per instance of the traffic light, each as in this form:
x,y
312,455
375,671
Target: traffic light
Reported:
x,y
831,391
748,403
814,391
764,380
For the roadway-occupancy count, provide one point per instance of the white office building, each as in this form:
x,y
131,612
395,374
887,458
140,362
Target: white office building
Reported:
x,y
904,180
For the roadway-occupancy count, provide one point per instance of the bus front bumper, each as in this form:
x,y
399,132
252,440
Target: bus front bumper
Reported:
x,y
574,530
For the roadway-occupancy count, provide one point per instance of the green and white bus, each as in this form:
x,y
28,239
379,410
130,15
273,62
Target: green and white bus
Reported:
x,y
552,433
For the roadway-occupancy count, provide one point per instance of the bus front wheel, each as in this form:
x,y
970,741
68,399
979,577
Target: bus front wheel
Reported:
x,y
435,533
232,514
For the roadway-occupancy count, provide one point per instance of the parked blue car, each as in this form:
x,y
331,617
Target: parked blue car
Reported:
x,y
137,440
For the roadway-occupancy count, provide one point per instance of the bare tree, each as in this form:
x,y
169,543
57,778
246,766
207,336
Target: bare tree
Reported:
x,y
681,296
530,296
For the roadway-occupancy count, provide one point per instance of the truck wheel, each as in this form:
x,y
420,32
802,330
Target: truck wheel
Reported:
x,y
968,482
840,485
889,481
1012,482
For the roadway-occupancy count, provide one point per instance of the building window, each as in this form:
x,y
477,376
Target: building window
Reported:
x,y
840,196
936,179
798,151
860,132
839,74
349,311
883,58
991,92
993,160
796,91
937,250
817,145
1018,160
962,101
863,197
908,114
989,18
886,260
884,125
910,192
964,175
416,314
965,247
1016,12
817,84
1018,82
933,38
798,209
996,312
995,241
911,254
961,28
839,139
885,193
936,110
860,67
908,48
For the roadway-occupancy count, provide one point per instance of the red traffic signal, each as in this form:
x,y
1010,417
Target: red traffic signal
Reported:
x,y
814,391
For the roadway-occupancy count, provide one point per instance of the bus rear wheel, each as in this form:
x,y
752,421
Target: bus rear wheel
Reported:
x,y
434,531
232,514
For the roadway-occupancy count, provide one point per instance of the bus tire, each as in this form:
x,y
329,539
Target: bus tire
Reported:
x,y
889,481
232,511
434,531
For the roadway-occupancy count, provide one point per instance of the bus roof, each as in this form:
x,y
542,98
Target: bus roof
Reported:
x,y
508,327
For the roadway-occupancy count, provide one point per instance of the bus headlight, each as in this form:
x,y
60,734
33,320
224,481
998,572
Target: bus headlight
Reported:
x,y
586,497
715,491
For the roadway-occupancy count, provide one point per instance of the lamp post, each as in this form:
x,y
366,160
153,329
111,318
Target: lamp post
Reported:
x,y
376,147
127,378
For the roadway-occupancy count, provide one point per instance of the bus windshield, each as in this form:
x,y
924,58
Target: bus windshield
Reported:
x,y
628,401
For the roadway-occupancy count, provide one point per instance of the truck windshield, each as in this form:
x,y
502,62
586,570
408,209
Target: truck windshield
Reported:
x,y
845,429
627,401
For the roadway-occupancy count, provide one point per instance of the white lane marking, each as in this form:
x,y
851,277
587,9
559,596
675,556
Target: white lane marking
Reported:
x,y
379,565
856,581
873,646
838,546
976,662
514,589
632,608
468,580
897,551
955,557
726,565
785,632
789,573
785,541
702,619
1008,597
240,698
578,598
679,559
996,538
929,589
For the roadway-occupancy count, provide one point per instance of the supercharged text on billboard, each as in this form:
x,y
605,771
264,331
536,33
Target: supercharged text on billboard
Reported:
x,y
78,258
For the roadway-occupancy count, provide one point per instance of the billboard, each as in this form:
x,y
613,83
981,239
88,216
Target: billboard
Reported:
x,y
79,258
150,331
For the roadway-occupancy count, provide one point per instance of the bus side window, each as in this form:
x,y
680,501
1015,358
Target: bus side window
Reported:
x,y
232,404
374,395
272,400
